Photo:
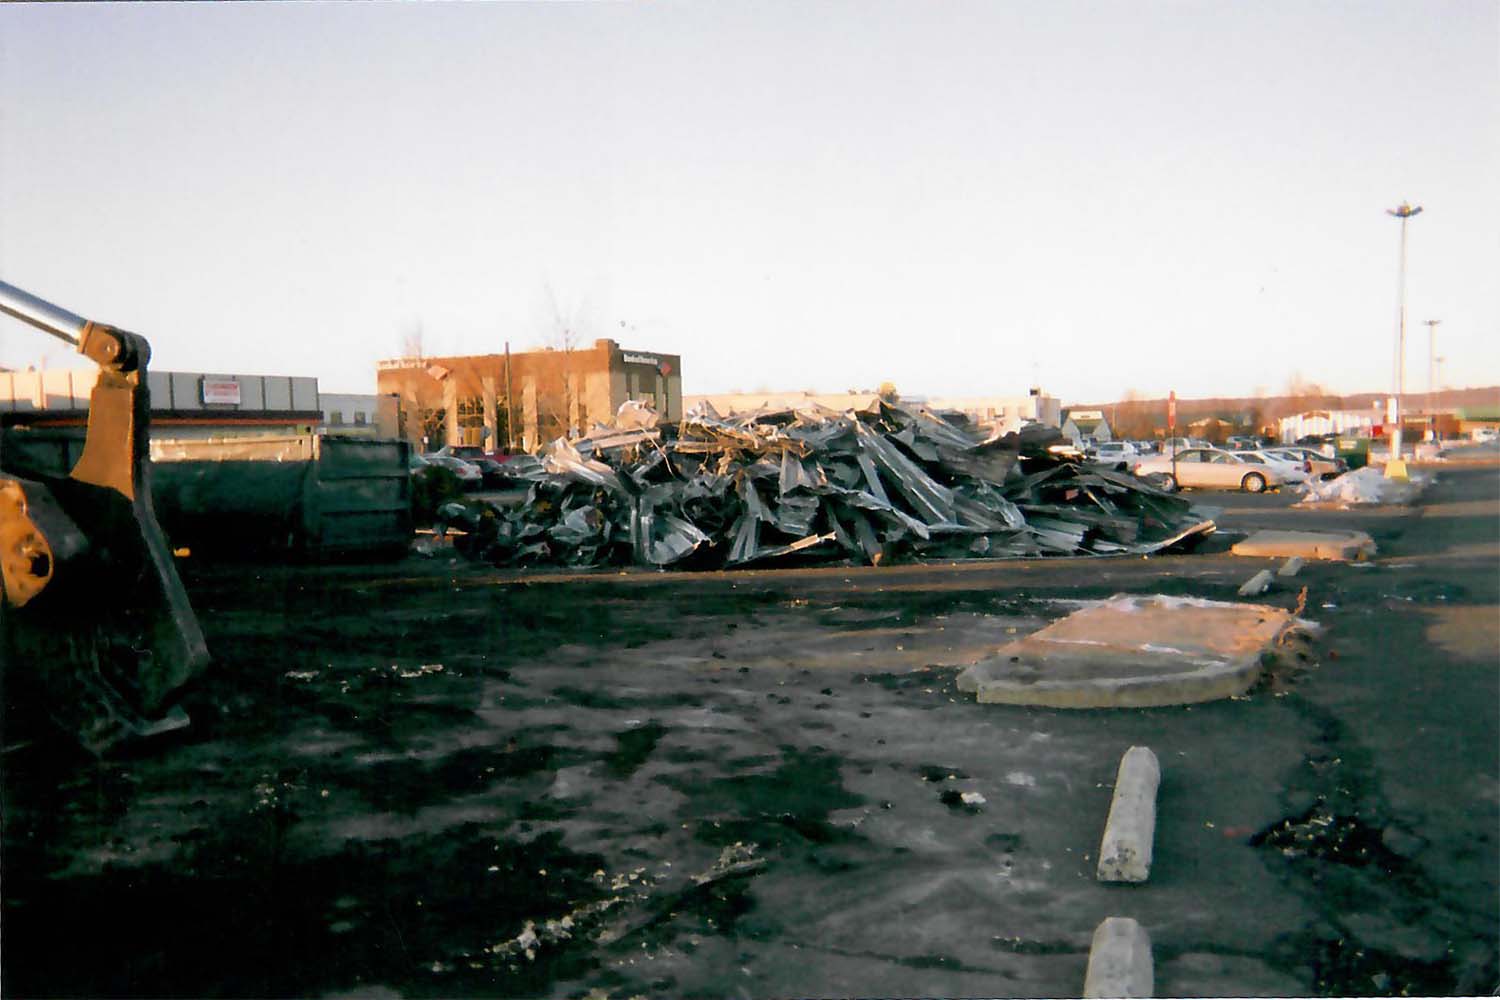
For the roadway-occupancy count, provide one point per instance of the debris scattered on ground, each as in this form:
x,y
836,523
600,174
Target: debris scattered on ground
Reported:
x,y
1361,487
872,486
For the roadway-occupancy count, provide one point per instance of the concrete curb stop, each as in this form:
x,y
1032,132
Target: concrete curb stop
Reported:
x,y
1119,961
1291,567
1125,851
1257,584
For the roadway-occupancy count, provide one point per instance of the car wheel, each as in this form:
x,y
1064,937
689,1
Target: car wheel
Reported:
x,y
1164,481
1122,467
1253,483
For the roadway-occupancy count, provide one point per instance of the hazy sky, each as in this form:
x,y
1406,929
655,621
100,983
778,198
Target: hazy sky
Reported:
x,y
951,196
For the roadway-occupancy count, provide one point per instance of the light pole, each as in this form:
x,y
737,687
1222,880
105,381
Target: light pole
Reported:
x,y
1402,212
1432,325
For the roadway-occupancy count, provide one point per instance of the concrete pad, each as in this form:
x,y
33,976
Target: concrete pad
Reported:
x,y
1133,652
1343,545
1125,851
1119,961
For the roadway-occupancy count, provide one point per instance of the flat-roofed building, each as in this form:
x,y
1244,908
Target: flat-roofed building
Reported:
x,y
1004,414
522,400
183,404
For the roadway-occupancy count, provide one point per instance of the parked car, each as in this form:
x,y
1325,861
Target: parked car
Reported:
x,y
467,472
1182,444
1208,468
1316,464
1293,468
1120,455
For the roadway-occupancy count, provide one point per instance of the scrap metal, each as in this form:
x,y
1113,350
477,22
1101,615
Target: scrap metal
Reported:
x,y
885,483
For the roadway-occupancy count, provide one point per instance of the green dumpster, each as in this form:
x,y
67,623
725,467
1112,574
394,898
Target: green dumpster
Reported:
x,y
1355,451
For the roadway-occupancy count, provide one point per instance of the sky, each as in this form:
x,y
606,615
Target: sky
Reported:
x,y
962,198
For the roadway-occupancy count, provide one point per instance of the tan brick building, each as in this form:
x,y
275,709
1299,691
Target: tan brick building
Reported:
x,y
519,401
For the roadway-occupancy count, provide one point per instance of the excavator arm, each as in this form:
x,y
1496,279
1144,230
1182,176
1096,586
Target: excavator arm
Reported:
x,y
94,618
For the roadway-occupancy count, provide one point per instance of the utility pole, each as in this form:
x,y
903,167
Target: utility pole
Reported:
x,y
1432,325
1403,212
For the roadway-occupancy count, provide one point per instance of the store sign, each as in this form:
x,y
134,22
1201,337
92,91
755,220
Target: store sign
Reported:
x,y
221,390
642,359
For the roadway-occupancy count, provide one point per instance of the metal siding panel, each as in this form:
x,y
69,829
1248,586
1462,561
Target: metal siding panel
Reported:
x,y
278,391
304,393
159,385
185,395
252,392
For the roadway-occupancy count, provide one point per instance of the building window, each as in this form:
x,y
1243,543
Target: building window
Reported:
x,y
335,417
359,417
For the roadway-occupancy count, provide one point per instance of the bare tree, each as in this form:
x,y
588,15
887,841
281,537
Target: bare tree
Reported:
x,y
411,340
562,333
1133,418
1305,394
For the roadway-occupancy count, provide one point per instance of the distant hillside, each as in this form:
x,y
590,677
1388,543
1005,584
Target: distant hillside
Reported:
x,y
1139,417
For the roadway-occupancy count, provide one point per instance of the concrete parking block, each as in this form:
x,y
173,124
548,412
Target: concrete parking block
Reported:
x,y
1339,545
1291,567
1120,961
1134,652
1256,585
1125,851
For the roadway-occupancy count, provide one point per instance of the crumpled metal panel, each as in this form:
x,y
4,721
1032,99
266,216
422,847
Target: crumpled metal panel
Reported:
x,y
889,482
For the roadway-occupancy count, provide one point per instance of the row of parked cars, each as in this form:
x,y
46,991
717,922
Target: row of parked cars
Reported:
x,y
1186,463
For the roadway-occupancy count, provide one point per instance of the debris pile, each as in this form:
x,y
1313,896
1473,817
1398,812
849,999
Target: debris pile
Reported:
x,y
875,485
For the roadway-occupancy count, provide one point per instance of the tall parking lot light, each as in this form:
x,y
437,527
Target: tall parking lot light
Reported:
x,y
1402,212
1432,325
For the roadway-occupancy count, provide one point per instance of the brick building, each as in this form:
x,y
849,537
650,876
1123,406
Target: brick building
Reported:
x,y
520,401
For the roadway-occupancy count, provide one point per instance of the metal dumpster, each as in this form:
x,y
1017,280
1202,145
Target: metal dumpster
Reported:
x,y
309,494
1355,451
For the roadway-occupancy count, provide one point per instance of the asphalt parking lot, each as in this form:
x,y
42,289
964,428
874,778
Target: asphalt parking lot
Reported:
x,y
432,779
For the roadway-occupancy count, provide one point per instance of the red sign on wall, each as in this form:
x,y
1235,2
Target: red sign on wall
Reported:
x,y
1171,410
221,390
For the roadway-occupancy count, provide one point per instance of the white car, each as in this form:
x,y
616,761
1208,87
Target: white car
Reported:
x,y
1208,468
1119,455
1316,464
1292,468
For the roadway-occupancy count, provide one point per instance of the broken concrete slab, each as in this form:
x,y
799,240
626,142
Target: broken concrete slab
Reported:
x,y
1120,961
1340,545
1134,652
1125,851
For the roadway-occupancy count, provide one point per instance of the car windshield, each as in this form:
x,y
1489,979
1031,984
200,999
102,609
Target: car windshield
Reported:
x,y
1252,459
